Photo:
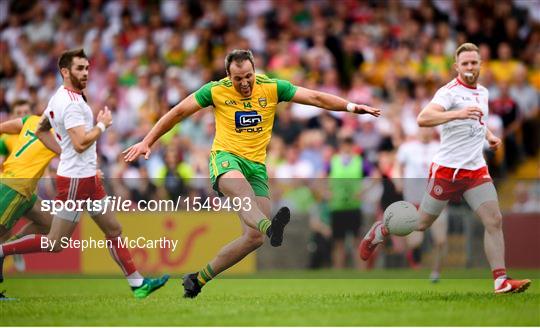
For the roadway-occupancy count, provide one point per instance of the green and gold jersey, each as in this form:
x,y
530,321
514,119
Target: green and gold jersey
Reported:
x,y
244,125
29,159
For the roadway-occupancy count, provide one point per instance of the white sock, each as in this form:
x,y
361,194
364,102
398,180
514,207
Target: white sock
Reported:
x,y
499,281
135,279
379,237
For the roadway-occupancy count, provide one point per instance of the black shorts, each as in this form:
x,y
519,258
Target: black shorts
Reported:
x,y
345,221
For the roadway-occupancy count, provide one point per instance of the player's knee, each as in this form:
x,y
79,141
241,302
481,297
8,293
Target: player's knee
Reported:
x,y
254,240
54,245
494,222
440,243
423,226
113,231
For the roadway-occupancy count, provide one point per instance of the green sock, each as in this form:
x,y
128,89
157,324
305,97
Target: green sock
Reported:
x,y
15,237
264,225
205,275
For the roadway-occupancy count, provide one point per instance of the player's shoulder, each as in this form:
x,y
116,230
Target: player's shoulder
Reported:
x,y
264,79
31,120
64,97
482,88
450,85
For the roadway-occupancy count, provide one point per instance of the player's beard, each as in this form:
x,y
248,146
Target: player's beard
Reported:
x,y
470,77
78,84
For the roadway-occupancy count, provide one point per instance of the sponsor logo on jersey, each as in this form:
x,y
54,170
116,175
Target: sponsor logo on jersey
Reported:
x,y
225,164
230,102
247,121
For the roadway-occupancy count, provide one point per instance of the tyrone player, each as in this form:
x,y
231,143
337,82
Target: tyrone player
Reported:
x,y
74,130
459,168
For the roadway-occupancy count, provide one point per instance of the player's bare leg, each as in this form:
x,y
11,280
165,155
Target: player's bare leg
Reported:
x,y
483,200
239,248
141,287
229,255
40,224
233,184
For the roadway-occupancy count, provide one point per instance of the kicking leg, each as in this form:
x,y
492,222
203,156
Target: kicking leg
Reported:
x,y
430,209
230,254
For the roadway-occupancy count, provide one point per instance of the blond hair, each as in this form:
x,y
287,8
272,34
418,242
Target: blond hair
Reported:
x,y
466,47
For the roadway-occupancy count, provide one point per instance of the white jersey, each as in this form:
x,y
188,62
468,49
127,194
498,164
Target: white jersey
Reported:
x,y
462,141
416,157
67,109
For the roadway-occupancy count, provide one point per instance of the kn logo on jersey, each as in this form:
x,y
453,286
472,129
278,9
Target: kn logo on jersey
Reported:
x,y
247,121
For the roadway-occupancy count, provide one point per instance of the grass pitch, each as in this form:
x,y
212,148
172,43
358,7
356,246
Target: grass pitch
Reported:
x,y
298,299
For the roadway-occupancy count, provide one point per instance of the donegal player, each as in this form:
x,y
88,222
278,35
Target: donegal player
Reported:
x,y
22,169
244,106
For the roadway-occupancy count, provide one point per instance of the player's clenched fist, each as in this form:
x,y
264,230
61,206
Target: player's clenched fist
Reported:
x,y
105,116
473,113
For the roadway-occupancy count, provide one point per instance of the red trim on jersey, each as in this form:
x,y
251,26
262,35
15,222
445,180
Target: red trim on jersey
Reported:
x,y
77,92
450,86
465,85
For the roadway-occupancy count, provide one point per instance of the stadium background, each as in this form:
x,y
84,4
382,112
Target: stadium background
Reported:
x,y
147,56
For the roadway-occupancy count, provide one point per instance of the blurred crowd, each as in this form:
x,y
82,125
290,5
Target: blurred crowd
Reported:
x,y
146,56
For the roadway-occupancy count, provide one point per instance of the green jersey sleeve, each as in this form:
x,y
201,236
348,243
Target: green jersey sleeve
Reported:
x,y
285,90
203,96
3,147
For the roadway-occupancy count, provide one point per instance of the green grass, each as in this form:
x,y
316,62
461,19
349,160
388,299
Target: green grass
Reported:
x,y
310,299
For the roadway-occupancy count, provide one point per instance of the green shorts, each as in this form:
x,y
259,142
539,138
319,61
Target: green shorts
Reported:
x,y
255,173
13,205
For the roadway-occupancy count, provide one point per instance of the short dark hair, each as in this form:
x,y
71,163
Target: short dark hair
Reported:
x,y
66,59
238,56
19,102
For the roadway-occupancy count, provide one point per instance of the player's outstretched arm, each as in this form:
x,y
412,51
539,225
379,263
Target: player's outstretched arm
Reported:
x,y
434,114
330,102
13,126
43,132
179,112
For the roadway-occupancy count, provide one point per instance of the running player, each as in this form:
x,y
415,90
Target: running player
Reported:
x,y
72,120
244,106
22,170
459,168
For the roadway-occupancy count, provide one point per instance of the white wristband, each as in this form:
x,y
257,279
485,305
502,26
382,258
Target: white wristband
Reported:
x,y
351,107
101,126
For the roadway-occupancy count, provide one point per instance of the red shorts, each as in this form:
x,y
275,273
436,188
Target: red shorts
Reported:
x,y
445,184
79,188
